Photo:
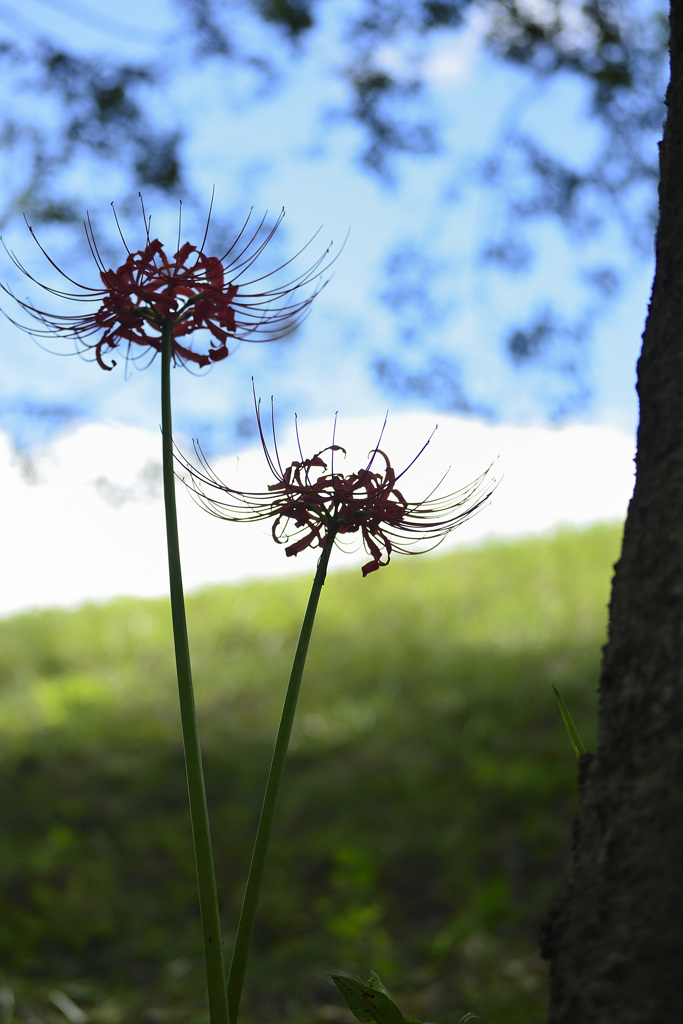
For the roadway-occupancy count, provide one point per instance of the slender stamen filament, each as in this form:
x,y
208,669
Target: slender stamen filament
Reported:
x,y
307,502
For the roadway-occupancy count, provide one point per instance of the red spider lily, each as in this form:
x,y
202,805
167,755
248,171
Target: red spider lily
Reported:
x,y
189,292
309,505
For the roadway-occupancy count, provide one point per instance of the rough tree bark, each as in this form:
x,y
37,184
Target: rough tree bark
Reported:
x,y
615,934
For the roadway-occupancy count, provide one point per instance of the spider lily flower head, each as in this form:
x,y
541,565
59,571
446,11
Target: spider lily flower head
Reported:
x,y
312,504
187,292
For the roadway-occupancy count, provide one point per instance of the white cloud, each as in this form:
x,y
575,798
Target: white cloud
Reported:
x,y
84,521
447,58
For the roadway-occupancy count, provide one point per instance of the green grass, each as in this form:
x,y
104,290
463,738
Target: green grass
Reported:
x,y
426,813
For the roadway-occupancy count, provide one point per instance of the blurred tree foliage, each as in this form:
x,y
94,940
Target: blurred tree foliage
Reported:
x,y
616,48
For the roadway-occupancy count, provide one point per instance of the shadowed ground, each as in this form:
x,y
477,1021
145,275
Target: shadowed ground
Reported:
x,y
427,807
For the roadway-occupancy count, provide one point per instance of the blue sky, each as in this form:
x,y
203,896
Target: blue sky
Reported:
x,y
287,147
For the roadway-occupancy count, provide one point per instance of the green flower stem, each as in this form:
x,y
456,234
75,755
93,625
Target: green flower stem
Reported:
x,y
249,904
206,876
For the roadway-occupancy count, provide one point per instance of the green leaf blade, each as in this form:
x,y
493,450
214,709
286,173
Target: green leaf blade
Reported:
x,y
368,1004
572,731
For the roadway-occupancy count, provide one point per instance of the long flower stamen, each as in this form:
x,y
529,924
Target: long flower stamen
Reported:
x,y
189,292
307,503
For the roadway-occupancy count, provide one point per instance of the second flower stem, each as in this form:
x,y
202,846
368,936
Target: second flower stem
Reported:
x,y
201,837
251,896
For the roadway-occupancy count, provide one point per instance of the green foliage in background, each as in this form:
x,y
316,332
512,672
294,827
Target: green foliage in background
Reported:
x,y
427,805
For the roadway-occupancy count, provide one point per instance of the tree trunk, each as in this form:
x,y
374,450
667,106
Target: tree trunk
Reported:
x,y
615,934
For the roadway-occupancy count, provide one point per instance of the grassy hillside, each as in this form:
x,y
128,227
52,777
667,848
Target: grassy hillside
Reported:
x,y
427,806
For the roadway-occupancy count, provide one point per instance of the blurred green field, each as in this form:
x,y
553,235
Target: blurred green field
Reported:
x,y
426,814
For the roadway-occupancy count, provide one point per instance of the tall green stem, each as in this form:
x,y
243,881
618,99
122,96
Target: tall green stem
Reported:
x,y
248,914
206,876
